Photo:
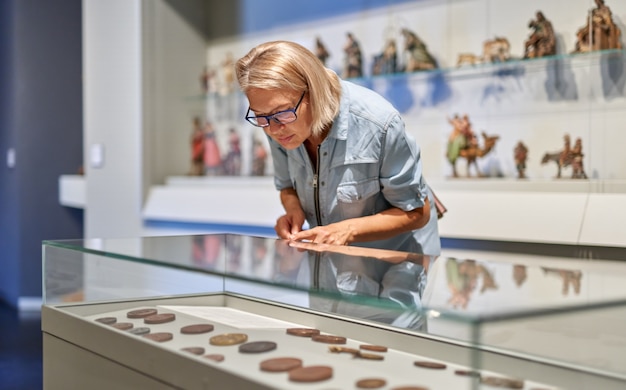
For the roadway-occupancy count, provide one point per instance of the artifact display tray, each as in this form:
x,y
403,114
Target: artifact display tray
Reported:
x,y
407,361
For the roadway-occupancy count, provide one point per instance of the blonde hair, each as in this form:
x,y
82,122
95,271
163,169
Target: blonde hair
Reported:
x,y
288,65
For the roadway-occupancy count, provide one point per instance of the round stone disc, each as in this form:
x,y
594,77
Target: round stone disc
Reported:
x,y
159,336
122,325
106,320
473,374
280,364
507,383
228,339
311,374
410,388
329,339
429,364
373,348
141,313
194,350
160,318
196,329
303,332
257,347
216,357
370,356
139,331
371,383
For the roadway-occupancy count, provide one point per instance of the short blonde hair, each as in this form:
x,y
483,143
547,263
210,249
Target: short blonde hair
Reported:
x,y
288,65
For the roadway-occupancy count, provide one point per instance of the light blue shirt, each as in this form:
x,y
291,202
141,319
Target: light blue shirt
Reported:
x,y
367,164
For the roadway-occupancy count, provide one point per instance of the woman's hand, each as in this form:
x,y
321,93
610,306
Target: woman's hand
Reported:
x,y
289,224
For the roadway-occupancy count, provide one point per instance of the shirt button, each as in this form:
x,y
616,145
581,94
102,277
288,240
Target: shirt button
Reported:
x,y
325,153
323,183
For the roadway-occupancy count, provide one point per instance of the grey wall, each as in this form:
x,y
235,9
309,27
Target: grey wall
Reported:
x,y
41,119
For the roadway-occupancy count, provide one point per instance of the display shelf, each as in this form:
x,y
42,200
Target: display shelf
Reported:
x,y
529,320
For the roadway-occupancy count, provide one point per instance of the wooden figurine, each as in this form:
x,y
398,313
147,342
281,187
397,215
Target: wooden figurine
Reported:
x,y
600,32
542,41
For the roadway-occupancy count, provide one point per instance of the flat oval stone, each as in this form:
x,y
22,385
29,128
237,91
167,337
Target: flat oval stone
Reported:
x,y
197,329
228,339
429,364
303,332
139,331
329,339
122,325
141,313
257,347
216,357
160,318
106,320
194,350
371,383
280,364
311,374
159,337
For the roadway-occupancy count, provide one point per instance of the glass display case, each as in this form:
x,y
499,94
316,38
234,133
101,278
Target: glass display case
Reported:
x,y
234,311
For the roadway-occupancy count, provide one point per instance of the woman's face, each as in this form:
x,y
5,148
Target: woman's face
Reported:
x,y
268,102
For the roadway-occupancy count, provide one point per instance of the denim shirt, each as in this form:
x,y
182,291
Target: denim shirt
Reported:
x,y
367,164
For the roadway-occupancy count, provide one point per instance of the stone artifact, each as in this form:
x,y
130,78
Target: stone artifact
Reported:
x,y
159,337
141,313
311,374
257,347
196,329
160,318
542,41
429,364
303,332
370,383
194,350
280,364
228,339
600,32
329,339
106,320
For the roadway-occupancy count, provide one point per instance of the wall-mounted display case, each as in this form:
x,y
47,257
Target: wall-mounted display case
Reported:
x,y
215,311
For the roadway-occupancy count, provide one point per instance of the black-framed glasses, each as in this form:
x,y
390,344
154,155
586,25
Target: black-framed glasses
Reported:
x,y
281,117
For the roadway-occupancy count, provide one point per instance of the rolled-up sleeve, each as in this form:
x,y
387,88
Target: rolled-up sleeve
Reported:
x,y
401,168
280,160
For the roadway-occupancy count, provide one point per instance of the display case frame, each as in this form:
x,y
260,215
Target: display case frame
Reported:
x,y
70,332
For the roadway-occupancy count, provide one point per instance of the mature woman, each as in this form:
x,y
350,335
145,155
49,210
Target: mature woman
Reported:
x,y
342,159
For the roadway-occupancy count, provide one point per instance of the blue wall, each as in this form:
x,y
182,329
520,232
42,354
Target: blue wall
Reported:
x,y
41,118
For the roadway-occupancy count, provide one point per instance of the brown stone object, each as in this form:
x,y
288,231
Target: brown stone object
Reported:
x,y
473,374
311,374
228,339
410,388
122,325
369,356
329,339
371,383
106,320
335,349
216,357
194,350
373,348
196,329
507,383
160,318
141,313
280,364
159,337
303,332
429,364
257,347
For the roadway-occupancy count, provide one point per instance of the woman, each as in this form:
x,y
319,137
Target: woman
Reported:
x,y
342,159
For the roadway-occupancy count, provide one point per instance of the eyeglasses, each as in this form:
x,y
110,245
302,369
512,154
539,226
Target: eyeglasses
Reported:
x,y
281,117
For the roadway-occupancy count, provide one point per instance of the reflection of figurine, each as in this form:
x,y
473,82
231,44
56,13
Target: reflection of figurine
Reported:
x,y
462,277
464,143
418,56
259,158
197,148
232,161
520,153
212,156
542,41
320,50
354,61
600,32
519,274
569,278
567,157
387,61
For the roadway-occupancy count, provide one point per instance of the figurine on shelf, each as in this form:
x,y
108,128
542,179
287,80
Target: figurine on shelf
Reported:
x,y
600,31
496,50
418,56
228,75
259,158
542,41
320,50
568,157
232,162
463,142
387,61
354,61
520,154
212,156
207,80
197,148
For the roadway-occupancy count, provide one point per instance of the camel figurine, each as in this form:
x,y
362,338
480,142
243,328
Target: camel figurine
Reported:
x,y
463,142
